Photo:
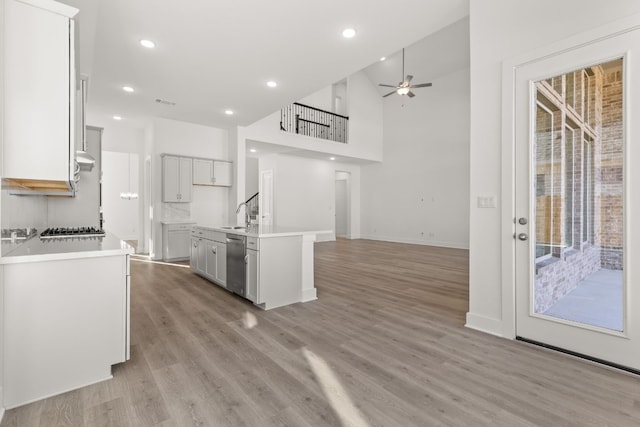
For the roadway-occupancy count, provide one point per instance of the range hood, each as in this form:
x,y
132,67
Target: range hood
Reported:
x,y
85,160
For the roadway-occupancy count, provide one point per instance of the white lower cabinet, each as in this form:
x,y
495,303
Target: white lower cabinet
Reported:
x,y
253,263
209,256
65,322
175,242
216,261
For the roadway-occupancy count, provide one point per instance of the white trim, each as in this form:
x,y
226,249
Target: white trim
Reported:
x,y
308,295
484,324
53,6
508,215
66,390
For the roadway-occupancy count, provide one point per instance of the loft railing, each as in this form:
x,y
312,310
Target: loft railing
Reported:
x,y
309,121
252,206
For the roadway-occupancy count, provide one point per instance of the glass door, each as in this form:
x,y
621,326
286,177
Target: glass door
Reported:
x,y
573,287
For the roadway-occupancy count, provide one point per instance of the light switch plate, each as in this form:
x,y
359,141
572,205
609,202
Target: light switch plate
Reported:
x,y
487,201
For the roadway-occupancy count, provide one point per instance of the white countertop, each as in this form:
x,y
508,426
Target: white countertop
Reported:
x,y
36,249
263,231
177,221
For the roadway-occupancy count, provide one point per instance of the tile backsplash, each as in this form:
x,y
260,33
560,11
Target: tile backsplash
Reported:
x,y
176,211
23,211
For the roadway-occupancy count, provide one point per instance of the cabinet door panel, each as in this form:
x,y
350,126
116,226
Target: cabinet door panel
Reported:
x,y
252,276
221,274
185,179
222,172
170,179
211,259
36,93
202,172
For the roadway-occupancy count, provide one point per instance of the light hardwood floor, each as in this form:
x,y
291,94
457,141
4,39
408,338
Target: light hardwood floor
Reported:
x,y
384,345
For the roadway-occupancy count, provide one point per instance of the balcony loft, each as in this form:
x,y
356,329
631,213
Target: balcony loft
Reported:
x,y
310,121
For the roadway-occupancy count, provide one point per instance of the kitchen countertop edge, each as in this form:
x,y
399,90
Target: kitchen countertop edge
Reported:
x,y
37,250
177,221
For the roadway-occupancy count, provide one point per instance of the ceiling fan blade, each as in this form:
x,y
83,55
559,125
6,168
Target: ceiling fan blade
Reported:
x,y
408,78
390,93
423,85
411,94
387,85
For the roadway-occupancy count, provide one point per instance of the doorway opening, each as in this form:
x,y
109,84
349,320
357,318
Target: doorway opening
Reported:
x,y
578,196
342,197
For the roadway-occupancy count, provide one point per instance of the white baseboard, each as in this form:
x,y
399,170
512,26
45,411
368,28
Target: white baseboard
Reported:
x,y
309,295
417,242
325,237
484,324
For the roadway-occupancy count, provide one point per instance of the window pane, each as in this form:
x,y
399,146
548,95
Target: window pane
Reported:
x,y
544,181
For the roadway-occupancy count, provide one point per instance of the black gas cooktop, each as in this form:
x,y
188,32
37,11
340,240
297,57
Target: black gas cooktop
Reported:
x,y
62,232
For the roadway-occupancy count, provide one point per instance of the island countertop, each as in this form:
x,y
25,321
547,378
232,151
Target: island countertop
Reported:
x,y
263,231
36,249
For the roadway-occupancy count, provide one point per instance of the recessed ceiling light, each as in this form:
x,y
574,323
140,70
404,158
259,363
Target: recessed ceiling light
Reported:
x,y
117,118
383,58
228,112
147,43
348,33
332,158
253,150
271,83
127,89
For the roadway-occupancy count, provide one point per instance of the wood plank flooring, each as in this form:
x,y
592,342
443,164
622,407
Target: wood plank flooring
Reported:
x,y
384,345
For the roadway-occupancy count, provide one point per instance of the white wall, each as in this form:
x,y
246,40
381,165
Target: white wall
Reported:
x,y
321,99
120,175
420,193
501,30
365,124
209,204
251,177
304,193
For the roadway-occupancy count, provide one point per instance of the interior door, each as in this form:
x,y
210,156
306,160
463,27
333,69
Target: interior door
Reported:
x,y
575,287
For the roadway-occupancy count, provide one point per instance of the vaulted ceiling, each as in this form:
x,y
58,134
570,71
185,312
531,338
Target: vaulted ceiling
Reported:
x,y
214,55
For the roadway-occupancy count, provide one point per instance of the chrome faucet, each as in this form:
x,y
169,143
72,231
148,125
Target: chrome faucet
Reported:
x,y
247,216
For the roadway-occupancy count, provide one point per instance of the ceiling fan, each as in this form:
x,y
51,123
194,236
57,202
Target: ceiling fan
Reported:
x,y
405,86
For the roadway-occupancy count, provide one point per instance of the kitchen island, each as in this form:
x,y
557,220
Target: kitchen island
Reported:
x,y
278,262
65,314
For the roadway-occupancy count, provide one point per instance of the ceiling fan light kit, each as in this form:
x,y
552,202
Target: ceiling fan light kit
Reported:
x,y
405,86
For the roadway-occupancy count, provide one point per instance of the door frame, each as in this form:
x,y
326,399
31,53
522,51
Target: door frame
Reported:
x,y
508,162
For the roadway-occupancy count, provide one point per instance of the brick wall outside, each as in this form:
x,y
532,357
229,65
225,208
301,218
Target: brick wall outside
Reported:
x,y
610,231
557,279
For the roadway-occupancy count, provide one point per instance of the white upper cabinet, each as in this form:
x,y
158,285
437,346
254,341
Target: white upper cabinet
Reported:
x,y
39,92
211,172
222,173
202,172
176,179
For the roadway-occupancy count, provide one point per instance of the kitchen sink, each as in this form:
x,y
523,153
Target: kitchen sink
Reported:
x,y
235,227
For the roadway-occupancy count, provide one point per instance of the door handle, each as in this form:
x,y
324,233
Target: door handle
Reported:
x,y
523,236
522,221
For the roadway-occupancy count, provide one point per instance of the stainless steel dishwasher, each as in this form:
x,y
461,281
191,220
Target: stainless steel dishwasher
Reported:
x,y
236,271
